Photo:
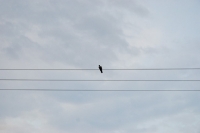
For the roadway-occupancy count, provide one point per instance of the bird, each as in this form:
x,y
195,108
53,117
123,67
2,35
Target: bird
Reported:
x,y
100,68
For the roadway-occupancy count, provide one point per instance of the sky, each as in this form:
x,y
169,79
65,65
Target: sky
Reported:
x,y
116,34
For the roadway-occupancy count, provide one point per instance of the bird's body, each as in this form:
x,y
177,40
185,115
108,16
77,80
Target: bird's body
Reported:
x,y
100,68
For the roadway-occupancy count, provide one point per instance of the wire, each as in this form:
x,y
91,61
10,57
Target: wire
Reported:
x,y
83,90
98,69
98,80
47,69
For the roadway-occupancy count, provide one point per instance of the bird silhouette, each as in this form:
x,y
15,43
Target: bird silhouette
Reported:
x,y
100,68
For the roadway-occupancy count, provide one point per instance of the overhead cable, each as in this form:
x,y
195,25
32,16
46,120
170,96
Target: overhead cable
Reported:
x,y
72,80
83,90
98,69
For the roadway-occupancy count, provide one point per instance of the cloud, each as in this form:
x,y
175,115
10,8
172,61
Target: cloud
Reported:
x,y
85,34
61,28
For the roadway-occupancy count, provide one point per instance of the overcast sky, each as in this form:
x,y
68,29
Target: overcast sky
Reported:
x,y
82,34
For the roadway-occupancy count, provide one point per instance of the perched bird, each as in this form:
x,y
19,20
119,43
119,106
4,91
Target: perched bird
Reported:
x,y
100,68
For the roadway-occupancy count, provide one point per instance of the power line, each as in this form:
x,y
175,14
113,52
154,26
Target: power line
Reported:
x,y
98,69
83,90
99,80
46,69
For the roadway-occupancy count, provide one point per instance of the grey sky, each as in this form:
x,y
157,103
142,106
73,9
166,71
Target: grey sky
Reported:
x,y
113,34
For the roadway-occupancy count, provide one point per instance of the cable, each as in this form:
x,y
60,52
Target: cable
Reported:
x,y
46,69
98,69
83,90
98,80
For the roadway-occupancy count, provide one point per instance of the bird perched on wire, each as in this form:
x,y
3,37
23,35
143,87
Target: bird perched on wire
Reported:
x,y
100,68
